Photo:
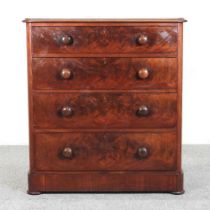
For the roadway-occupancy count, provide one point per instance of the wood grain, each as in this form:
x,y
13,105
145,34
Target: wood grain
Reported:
x,y
105,151
101,20
104,73
104,110
101,181
103,146
103,40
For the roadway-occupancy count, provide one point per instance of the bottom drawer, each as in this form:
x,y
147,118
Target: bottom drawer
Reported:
x,y
105,151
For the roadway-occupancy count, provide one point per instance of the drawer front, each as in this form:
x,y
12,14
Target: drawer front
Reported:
x,y
105,151
104,73
64,40
104,110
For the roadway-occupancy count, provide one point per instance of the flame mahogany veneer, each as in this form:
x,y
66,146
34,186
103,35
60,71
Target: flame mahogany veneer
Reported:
x,y
105,103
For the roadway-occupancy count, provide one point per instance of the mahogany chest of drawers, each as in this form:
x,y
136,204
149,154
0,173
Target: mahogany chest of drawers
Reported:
x,y
105,104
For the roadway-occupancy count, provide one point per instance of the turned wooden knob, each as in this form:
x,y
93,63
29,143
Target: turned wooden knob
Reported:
x,y
67,152
143,73
142,39
66,74
143,111
67,40
66,111
142,152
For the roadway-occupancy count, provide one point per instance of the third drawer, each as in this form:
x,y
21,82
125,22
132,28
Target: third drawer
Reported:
x,y
104,110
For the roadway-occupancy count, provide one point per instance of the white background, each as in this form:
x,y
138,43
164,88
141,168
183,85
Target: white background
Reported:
x,y
13,73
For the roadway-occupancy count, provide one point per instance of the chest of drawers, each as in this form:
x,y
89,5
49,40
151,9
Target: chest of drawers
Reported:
x,y
105,105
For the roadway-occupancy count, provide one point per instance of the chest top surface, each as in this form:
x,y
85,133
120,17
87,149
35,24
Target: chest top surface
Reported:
x,y
149,20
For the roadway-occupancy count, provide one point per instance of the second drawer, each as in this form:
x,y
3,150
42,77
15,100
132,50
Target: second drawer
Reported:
x,y
104,73
105,110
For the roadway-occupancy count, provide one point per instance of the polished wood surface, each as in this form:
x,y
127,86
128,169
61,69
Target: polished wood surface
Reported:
x,y
66,153
65,111
143,73
104,73
105,151
65,73
98,20
142,39
104,110
102,181
48,40
143,111
105,105
66,40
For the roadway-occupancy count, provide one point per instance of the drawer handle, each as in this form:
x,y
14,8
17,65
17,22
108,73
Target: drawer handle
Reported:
x,y
67,40
142,39
143,73
143,111
67,152
66,74
66,111
142,152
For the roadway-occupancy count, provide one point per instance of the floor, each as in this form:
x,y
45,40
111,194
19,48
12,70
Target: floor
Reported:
x,y
13,186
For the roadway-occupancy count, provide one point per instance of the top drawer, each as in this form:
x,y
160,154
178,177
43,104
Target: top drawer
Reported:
x,y
103,39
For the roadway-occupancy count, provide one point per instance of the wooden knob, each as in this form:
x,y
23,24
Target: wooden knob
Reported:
x,y
143,73
142,152
67,40
66,111
66,74
143,111
67,152
142,39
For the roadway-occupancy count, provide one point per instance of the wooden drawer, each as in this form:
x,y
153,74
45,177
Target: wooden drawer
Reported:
x,y
99,39
104,73
104,110
105,151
